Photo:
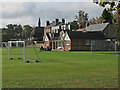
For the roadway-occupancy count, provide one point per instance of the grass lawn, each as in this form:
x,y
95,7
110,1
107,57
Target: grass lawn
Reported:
x,y
59,69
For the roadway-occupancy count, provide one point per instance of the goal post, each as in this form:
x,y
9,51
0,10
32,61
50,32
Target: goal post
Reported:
x,y
16,44
22,50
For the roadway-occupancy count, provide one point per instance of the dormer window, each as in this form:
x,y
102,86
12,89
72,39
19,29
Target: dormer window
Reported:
x,y
52,31
56,30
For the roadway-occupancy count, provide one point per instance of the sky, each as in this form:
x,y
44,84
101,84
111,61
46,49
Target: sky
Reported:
x,y
28,13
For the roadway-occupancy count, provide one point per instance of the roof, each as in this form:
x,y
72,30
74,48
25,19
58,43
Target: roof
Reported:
x,y
60,24
86,35
47,34
37,31
96,27
53,24
80,29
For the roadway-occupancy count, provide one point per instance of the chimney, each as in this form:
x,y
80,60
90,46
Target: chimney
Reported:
x,y
56,21
63,20
47,23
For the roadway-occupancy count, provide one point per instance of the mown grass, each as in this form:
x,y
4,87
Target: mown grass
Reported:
x,y
59,69
0,68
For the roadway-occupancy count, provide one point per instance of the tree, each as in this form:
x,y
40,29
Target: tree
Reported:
x,y
117,33
4,35
12,31
26,31
18,30
107,16
8,32
118,13
96,20
116,16
81,18
118,22
74,24
114,6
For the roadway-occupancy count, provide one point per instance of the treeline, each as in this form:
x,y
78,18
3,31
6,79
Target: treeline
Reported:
x,y
14,31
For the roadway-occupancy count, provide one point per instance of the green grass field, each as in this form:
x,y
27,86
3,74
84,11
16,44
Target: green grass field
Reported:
x,y
59,69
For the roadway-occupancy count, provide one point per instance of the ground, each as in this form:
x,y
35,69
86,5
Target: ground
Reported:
x,y
59,69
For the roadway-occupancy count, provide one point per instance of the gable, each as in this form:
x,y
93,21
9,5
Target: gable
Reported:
x,y
109,31
46,38
66,37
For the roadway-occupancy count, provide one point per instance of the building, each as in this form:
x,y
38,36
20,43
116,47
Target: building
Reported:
x,y
37,33
56,27
94,37
52,31
109,32
82,40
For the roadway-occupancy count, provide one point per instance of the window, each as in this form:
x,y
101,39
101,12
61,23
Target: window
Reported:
x,y
46,42
56,30
52,31
93,42
87,42
67,42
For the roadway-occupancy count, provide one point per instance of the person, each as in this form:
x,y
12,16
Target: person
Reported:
x,y
41,48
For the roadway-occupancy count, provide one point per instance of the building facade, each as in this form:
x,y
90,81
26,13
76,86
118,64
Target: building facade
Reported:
x,y
96,37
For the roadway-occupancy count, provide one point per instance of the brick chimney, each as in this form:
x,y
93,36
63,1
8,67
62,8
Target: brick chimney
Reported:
x,y
63,20
47,23
56,21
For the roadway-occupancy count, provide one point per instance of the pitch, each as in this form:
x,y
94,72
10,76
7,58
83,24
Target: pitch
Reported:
x,y
59,69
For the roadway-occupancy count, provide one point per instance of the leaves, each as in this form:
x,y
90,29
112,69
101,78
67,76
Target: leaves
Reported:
x,y
81,18
107,16
26,31
14,31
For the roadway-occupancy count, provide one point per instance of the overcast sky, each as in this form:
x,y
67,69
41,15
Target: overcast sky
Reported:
x,y
29,12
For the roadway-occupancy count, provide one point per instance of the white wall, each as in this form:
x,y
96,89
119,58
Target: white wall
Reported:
x,y
55,28
66,26
67,37
46,38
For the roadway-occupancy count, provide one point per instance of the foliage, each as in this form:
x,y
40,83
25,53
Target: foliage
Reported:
x,y
117,33
19,30
117,22
81,18
4,34
14,31
107,16
11,31
103,3
115,18
74,24
26,31
96,20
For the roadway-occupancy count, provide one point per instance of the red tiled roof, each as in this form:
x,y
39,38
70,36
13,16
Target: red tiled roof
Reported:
x,y
80,29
